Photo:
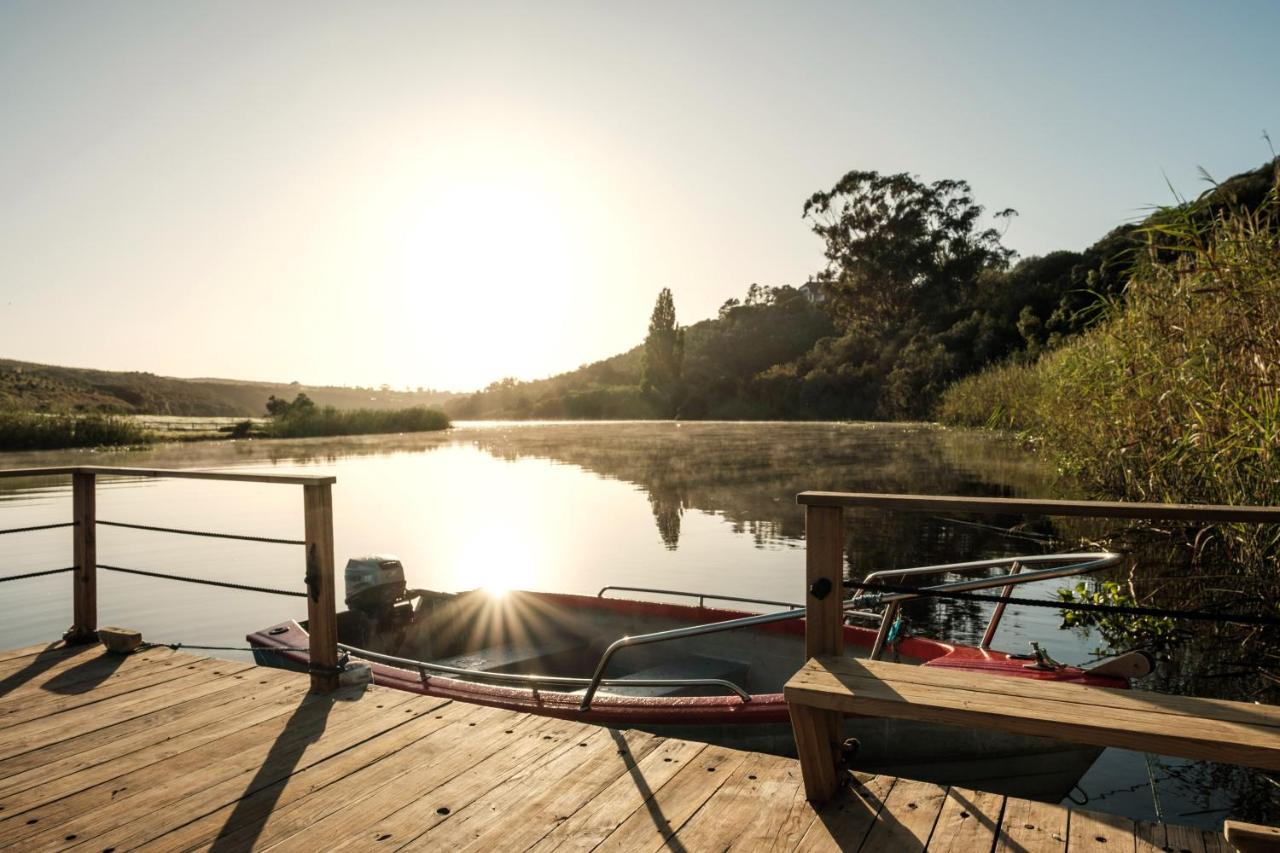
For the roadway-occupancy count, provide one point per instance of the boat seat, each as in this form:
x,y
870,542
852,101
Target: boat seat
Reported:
x,y
510,657
685,666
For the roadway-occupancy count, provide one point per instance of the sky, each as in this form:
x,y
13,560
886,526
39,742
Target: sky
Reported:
x,y
443,194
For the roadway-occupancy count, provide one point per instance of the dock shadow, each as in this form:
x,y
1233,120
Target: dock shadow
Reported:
x,y
660,821
306,725
45,659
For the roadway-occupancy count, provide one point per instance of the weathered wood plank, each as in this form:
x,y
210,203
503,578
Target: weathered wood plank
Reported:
x,y
176,473
400,810
1025,506
1250,837
726,814
782,814
906,822
969,820
842,824
1097,832
342,782
316,727
46,650
675,802
81,675
628,794
517,812
224,712
1031,827
876,688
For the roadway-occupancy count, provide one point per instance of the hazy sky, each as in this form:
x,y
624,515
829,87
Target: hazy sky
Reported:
x,y
444,194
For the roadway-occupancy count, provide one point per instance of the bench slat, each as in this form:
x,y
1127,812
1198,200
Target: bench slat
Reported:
x,y
1232,732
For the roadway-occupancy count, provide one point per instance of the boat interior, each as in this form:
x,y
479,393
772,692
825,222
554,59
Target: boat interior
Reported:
x,y
541,634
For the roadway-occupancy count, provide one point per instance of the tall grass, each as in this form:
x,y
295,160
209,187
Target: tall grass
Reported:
x,y
34,431
1175,395
331,421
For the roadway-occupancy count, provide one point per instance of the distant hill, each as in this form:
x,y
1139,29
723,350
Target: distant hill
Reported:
x,y
49,388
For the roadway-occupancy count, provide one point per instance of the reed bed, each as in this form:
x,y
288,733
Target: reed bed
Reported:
x,y
1175,394
37,431
330,421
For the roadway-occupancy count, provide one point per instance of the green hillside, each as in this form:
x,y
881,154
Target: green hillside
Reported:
x,y
26,386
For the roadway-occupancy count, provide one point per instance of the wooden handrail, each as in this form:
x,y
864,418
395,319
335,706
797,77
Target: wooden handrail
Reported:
x,y
175,473
318,522
1089,509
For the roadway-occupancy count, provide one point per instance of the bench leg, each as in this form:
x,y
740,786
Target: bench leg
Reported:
x,y
817,738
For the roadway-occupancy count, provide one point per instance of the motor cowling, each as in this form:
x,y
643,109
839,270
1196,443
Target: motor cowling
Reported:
x,y
374,583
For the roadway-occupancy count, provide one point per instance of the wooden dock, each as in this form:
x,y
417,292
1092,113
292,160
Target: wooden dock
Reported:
x,y
162,750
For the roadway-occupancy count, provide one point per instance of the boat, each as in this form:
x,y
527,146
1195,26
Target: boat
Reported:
x,y
699,672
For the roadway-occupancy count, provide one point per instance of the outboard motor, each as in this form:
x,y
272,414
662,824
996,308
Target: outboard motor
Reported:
x,y
378,610
375,584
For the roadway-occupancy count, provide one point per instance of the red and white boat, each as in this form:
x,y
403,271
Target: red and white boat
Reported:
x,y
692,671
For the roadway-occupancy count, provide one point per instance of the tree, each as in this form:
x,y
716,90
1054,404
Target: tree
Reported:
x,y
278,407
663,351
900,251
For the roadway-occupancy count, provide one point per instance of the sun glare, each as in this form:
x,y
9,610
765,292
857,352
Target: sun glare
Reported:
x,y
484,263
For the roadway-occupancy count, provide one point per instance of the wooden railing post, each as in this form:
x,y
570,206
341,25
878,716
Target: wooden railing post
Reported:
x,y
819,733
322,616
84,624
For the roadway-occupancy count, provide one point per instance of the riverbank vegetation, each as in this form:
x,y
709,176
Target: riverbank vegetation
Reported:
x,y
1174,395
302,418
34,431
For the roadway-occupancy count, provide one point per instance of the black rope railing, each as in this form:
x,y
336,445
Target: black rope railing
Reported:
x,y
208,533
204,581
37,527
1084,607
37,574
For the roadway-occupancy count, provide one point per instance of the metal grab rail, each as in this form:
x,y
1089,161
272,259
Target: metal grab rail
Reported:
x,y
598,678
423,667
1089,562
701,596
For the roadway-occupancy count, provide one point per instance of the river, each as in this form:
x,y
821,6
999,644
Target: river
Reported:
x,y
572,507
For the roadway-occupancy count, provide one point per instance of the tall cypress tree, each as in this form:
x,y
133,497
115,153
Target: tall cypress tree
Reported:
x,y
663,352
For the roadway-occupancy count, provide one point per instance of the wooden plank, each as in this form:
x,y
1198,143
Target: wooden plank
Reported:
x,y
969,821
177,473
84,580
39,734
1148,836
725,815
44,650
403,808
783,814
102,754
907,819
81,675
843,823
1184,839
1031,827
591,824
1097,832
1058,710
675,802
305,798
116,809
1087,697
517,812
1009,506
49,705
1251,837
322,624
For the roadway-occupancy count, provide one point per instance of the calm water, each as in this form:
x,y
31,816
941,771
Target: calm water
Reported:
x,y
567,507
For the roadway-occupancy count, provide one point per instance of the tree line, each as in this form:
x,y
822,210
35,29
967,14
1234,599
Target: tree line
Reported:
x,y
917,291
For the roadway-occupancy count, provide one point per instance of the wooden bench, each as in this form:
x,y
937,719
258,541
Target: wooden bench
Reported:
x,y
828,687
